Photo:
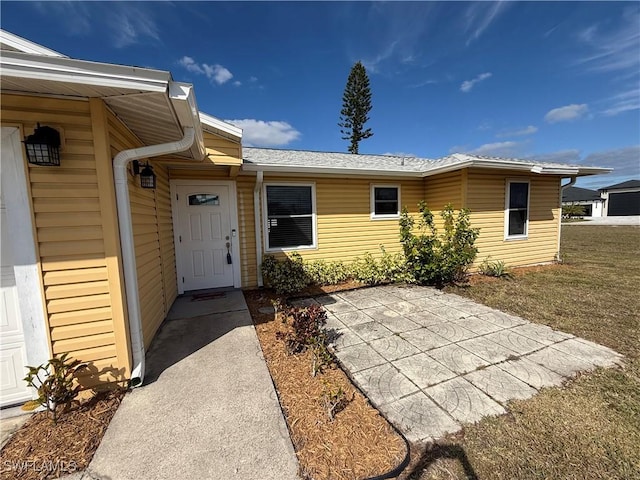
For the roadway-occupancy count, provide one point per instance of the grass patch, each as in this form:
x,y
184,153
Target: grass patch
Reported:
x,y
591,427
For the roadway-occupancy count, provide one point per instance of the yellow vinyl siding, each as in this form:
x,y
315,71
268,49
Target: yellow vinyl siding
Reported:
x,y
221,151
152,236
246,231
343,210
442,189
486,200
78,282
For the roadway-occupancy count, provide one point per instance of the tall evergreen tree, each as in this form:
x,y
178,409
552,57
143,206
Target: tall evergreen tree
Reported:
x,y
356,104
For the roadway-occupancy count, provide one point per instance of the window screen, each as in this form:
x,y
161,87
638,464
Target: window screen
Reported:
x,y
385,201
518,208
289,216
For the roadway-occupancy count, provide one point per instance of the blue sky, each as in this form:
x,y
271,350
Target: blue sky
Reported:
x,y
559,81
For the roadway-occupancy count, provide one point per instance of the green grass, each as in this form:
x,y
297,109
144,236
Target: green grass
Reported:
x,y
590,428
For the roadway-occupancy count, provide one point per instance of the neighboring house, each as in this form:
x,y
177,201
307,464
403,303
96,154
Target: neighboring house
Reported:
x,y
92,261
590,200
621,199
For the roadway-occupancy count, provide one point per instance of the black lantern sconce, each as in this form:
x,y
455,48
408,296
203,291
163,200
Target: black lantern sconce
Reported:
x,y
43,147
147,177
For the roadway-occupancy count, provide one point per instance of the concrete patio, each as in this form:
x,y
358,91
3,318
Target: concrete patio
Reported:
x,y
431,362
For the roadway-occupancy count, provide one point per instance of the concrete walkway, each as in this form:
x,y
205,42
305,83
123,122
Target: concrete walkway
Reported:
x,y
626,220
431,361
208,408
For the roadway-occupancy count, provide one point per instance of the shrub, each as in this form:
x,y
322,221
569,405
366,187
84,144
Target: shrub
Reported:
x,y
438,259
389,268
284,276
573,210
494,269
55,384
321,272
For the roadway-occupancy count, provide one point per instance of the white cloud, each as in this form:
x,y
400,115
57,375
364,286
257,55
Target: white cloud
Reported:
x,y
566,113
480,15
129,25
498,149
237,83
623,102
400,154
561,156
613,46
216,73
467,85
520,132
258,133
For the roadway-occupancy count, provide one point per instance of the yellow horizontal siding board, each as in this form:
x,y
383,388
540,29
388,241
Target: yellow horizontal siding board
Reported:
x,y
64,234
78,303
81,330
54,205
76,290
64,277
79,247
95,354
81,343
80,316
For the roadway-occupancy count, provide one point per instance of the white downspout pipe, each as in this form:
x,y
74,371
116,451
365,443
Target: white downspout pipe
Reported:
x,y
562,187
126,239
258,223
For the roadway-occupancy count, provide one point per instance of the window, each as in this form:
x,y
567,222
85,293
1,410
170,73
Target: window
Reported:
x,y
517,209
290,216
204,199
385,201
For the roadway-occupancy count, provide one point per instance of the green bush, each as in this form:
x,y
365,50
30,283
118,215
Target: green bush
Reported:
x,y
389,268
438,259
321,272
284,276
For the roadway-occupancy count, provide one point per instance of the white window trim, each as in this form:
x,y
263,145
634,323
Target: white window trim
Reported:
x,y
524,236
372,197
265,217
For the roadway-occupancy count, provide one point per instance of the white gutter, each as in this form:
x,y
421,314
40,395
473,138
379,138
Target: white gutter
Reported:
x,y
126,239
258,223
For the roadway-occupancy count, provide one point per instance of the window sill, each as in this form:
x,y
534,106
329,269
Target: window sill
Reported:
x,y
290,249
516,238
384,217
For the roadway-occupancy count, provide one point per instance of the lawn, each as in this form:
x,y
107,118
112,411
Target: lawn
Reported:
x,y
590,429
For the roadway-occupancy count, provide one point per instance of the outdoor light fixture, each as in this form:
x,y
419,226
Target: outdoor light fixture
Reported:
x,y
147,177
43,147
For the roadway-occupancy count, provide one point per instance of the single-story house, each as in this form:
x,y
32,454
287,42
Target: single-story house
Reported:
x,y
621,199
118,195
590,200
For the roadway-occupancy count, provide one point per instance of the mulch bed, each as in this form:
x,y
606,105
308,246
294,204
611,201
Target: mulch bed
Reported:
x,y
359,443
42,449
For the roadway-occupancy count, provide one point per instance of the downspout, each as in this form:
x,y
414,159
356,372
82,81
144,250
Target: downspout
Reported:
x,y
562,187
120,163
258,223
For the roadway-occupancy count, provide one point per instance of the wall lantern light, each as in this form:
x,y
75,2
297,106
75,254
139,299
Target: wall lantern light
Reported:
x,y
43,147
147,177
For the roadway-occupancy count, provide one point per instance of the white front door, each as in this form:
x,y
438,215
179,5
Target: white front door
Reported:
x,y
204,236
13,356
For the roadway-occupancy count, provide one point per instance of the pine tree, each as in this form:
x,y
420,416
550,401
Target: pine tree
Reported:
x,y
356,104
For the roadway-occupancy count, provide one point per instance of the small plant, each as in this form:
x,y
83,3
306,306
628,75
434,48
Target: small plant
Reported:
x,y
321,272
573,211
308,333
54,382
494,269
371,271
334,399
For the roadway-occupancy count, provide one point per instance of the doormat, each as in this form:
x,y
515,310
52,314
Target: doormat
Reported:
x,y
199,297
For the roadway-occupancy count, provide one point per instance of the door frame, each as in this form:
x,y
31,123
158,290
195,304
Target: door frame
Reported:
x,y
27,269
233,221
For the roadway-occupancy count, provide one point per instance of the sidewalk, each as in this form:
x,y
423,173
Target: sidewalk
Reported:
x,y
208,408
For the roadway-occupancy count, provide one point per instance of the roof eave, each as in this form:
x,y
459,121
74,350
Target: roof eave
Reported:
x,y
302,169
215,125
62,69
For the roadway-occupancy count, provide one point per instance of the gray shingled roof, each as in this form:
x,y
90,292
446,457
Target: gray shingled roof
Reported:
x,y
577,194
627,184
390,164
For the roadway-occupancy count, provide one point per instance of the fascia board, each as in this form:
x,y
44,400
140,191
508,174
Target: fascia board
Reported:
x,y
216,123
22,65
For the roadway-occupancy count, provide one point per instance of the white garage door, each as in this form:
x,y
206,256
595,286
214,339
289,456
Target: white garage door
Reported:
x,y
13,356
